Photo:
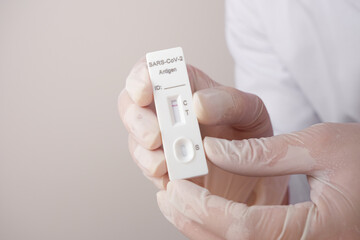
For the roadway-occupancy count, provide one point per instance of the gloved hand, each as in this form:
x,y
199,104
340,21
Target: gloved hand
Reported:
x,y
328,153
222,112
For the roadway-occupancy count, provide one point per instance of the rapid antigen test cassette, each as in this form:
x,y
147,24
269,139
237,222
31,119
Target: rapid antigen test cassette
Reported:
x,y
181,138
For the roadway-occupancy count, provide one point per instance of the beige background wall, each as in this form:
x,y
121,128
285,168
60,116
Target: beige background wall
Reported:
x,y
65,171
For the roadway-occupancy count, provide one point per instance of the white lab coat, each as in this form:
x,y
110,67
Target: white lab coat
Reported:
x,y
302,57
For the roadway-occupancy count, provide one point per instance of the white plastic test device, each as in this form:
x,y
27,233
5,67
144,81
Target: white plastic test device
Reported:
x,y
181,138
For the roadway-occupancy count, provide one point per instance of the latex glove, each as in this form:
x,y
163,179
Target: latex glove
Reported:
x,y
328,153
222,112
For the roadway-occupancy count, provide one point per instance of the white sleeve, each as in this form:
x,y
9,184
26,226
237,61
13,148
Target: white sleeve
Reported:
x,y
259,70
